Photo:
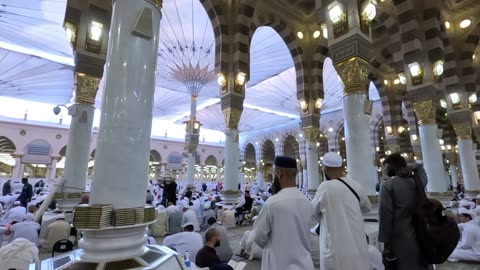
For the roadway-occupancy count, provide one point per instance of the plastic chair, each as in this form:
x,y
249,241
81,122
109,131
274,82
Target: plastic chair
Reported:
x,y
62,246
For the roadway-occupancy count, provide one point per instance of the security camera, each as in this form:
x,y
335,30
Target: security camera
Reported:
x,y
56,110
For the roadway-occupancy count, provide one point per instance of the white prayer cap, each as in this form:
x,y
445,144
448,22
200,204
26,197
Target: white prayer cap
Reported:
x,y
465,203
16,203
182,204
29,217
333,160
187,224
60,216
465,211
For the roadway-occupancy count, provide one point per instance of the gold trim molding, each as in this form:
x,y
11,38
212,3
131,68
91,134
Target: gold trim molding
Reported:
x,y
232,117
354,74
86,88
463,131
425,111
311,134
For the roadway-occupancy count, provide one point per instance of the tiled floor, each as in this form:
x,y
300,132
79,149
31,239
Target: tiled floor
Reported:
x,y
236,234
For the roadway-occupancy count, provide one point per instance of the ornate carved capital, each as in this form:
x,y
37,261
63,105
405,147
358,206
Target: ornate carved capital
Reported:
x,y
232,117
86,88
191,143
354,74
311,134
425,111
463,130
158,3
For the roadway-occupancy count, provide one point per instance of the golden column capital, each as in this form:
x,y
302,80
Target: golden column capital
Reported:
x,y
463,130
354,74
425,111
232,117
86,88
158,3
311,134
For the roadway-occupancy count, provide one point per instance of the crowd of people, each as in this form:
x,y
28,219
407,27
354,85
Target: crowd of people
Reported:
x,y
289,230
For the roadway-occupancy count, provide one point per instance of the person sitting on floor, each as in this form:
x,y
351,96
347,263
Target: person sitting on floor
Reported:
x,y
224,251
207,256
18,254
188,240
27,229
58,230
468,249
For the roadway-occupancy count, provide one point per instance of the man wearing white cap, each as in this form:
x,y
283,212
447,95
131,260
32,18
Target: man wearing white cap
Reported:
x,y
27,229
58,230
338,206
188,240
282,228
189,216
468,249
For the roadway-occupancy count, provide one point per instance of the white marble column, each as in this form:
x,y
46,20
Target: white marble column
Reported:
x,y
468,163
432,158
312,167
218,174
259,171
358,143
123,149
53,167
18,169
78,152
190,170
231,171
454,176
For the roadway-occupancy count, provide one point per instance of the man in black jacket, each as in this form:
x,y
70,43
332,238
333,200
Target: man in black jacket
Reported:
x,y
27,193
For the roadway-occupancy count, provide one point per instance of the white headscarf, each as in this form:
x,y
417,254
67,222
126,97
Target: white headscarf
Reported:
x,y
18,248
160,209
465,211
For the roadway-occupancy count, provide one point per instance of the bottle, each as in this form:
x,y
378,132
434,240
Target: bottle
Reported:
x,y
186,258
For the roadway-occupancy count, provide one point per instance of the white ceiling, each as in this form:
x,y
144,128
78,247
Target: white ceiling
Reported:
x,y
36,64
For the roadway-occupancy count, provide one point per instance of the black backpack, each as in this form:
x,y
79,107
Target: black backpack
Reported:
x,y
437,234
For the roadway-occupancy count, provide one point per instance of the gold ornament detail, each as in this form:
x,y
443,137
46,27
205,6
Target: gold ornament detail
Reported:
x,y
463,131
311,134
232,117
158,3
86,89
354,74
425,111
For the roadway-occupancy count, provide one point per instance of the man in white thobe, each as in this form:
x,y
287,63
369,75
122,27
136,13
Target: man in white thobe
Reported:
x,y
189,216
338,209
14,214
27,229
19,254
281,228
468,249
188,240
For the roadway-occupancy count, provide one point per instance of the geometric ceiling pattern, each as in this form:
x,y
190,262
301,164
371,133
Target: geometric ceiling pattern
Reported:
x,y
36,64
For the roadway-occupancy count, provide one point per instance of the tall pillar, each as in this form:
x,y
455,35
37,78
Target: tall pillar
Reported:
x,y
259,171
231,173
354,74
190,170
431,149
192,139
80,135
218,174
17,172
53,167
454,175
311,136
123,149
468,163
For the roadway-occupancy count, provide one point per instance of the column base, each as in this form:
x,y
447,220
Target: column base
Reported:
x,y
151,257
118,243
68,201
435,195
230,197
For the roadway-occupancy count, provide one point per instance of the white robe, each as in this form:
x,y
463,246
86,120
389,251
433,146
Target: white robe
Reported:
x,y
343,244
14,214
27,230
282,230
376,260
468,249
19,254
185,241
191,216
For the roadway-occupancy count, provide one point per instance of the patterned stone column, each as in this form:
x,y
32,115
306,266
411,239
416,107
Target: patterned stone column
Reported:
x,y
461,121
311,137
431,150
232,155
354,74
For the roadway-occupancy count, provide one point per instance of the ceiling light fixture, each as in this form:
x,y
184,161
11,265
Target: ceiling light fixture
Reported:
x,y
240,79
402,78
472,98
465,23
222,81
438,68
316,34
447,25
369,11
300,35
455,98
443,103
336,14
